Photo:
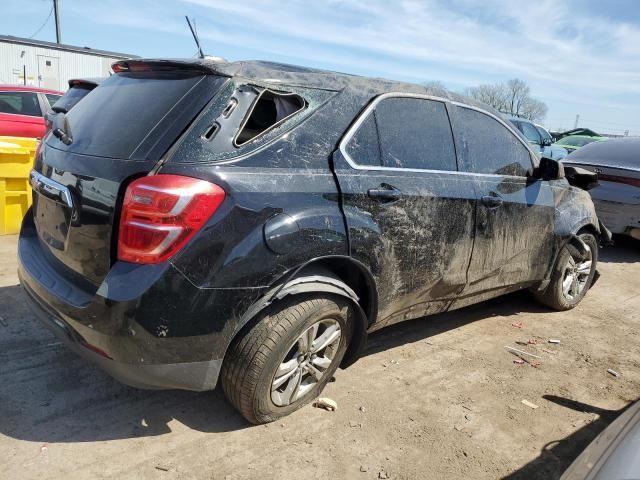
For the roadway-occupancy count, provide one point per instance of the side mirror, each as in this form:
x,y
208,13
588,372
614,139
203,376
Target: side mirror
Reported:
x,y
549,169
546,142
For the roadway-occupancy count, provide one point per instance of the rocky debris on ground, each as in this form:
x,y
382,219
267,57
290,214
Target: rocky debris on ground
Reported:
x,y
326,403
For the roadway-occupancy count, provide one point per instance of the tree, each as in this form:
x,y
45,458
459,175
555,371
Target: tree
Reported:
x,y
512,97
435,85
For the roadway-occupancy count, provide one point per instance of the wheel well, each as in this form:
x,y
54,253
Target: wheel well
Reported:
x,y
352,274
589,228
355,276
358,279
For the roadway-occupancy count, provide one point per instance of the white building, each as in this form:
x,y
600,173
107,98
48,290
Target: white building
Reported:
x,y
51,65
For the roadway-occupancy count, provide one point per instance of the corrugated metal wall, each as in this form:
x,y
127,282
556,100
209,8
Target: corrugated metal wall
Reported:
x,y
48,67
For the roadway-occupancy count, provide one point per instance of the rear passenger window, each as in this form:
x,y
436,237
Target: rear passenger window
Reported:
x,y
484,145
20,103
412,133
415,133
364,147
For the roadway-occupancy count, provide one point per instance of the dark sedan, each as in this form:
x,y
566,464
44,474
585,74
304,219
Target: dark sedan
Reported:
x,y
617,195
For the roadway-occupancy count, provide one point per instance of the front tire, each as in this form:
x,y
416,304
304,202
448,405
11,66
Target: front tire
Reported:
x,y
285,360
572,275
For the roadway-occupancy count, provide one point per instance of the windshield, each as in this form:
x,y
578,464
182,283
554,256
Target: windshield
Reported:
x,y
577,141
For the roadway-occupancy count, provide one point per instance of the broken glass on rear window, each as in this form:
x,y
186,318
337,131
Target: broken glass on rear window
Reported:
x,y
244,117
269,109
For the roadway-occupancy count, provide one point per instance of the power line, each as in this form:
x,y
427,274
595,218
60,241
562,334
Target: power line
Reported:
x,y
45,22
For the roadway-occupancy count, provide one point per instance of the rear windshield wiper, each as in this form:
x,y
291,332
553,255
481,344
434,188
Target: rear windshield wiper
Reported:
x,y
61,129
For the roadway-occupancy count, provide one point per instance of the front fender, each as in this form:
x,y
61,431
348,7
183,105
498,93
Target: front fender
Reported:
x,y
574,211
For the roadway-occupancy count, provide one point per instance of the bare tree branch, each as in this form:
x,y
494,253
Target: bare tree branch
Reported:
x,y
512,97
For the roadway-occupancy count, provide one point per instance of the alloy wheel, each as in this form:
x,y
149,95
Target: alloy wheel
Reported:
x,y
306,362
576,274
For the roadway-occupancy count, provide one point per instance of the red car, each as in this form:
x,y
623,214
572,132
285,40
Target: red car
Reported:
x,y
22,110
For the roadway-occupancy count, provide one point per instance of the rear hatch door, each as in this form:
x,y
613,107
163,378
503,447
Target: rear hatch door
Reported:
x,y
117,133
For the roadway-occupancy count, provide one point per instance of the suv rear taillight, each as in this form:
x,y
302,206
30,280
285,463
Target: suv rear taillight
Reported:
x,y
161,213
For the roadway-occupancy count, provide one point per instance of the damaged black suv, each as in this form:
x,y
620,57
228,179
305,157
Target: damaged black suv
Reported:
x,y
250,222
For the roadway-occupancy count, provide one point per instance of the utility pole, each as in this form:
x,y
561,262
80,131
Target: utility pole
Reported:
x,y
575,125
57,15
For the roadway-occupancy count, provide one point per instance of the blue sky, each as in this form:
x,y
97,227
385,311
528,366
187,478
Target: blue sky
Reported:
x,y
578,56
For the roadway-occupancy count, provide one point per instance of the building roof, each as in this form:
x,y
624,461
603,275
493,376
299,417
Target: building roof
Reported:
x,y
63,47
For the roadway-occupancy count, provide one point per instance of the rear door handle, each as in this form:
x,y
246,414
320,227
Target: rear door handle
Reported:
x,y
384,193
491,201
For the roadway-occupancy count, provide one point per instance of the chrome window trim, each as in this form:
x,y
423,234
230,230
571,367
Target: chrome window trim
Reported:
x,y
367,111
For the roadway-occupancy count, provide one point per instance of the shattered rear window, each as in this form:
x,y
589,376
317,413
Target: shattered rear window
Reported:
x,y
269,110
225,129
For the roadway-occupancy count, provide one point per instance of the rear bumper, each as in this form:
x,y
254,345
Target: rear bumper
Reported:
x,y
147,326
618,217
196,376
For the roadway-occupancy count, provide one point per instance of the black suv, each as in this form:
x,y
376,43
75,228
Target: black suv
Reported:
x,y
251,222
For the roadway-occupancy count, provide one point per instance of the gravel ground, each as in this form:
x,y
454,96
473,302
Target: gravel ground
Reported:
x,y
434,398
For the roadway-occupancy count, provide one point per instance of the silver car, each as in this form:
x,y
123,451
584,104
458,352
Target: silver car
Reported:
x,y
614,454
617,195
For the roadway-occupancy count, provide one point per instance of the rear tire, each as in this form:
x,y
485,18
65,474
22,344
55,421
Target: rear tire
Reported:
x,y
282,362
572,276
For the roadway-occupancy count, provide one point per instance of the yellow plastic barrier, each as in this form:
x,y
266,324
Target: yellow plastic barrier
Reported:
x,y
16,160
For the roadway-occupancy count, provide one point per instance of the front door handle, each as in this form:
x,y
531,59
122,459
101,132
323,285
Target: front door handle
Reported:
x,y
491,201
385,194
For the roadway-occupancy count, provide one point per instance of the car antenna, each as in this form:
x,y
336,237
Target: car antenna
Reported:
x,y
195,36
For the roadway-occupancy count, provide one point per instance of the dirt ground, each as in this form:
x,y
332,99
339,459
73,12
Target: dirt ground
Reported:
x,y
435,398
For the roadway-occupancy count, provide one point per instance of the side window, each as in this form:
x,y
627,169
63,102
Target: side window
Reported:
x,y
20,103
544,134
411,133
531,133
486,146
415,133
268,110
52,98
364,147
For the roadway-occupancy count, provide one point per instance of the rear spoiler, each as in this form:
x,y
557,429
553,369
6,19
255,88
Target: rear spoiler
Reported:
x,y
205,66
88,82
